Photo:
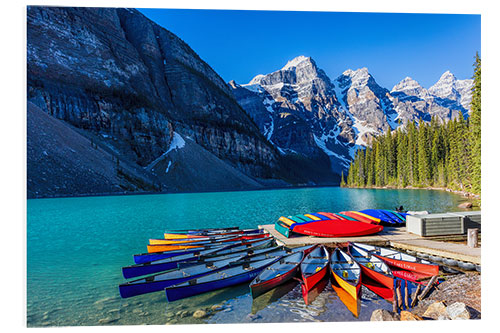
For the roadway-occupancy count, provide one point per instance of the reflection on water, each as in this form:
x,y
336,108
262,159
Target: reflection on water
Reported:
x,y
77,246
310,296
262,301
353,305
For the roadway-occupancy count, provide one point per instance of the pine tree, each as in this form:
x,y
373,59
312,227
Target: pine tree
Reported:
x,y
342,182
475,127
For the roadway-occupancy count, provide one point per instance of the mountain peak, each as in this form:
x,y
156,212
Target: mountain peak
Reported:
x,y
296,61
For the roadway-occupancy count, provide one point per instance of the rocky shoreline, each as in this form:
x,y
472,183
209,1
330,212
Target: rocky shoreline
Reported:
x,y
458,297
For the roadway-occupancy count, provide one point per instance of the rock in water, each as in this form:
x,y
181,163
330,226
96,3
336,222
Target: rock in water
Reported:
x,y
458,310
408,316
465,205
436,310
199,314
383,315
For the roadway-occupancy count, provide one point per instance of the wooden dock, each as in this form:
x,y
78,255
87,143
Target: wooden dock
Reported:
x,y
395,237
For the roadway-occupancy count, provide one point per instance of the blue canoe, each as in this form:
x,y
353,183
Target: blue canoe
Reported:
x,y
163,264
386,219
148,257
160,281
234,275
173,262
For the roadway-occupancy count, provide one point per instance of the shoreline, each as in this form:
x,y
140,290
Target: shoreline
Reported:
x,y
108,194
464,194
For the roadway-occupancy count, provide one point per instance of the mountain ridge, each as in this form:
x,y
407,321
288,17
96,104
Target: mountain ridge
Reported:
x,y
357,108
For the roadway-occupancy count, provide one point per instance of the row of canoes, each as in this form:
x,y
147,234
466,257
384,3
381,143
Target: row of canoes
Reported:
x,y
343,224
257,261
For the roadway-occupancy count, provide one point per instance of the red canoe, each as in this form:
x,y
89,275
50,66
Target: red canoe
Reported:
x,y
401,260
372,267
314,268
360,217
336,228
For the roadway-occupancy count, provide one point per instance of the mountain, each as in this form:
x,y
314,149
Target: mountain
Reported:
x,y
445,99
130,85
297,110
301,111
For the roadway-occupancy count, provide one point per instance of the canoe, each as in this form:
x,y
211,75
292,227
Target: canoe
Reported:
x,y
349,218
346,272
399,215
193,259
202,231
276,274
372,266
282,229
384,217
234,275
160,281
400,259
251,233
190,245
314,267
163,264
361,217
336,228
191,237
250,254
148,257
353,305
194,241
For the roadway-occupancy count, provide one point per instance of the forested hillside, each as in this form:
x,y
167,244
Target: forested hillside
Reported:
x,y
425,154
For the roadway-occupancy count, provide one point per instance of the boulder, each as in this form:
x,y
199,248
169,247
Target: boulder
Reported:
x,y
465,205
436,310
384,315
408,316
199,314
458,310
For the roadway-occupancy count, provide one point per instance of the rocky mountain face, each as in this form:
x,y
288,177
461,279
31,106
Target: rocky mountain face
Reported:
x,y
132,85
445,100
297,110
301,111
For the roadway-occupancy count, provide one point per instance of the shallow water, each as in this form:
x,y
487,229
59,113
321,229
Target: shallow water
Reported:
x,y
77,246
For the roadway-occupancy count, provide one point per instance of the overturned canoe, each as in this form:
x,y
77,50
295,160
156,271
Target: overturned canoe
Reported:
x,y
234,275
384,217
400,259
361,217
346,272
276,274
324,225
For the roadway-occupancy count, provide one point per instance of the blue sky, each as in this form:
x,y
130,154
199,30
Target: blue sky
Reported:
x,y
242,44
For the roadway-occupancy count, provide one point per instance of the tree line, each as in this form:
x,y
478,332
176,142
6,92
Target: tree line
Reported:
x,y
424,154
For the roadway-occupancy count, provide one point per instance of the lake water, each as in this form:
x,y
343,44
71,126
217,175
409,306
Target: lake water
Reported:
x,y
77,246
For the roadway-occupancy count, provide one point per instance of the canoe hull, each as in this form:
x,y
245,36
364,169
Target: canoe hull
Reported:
x,y
421,268
181,292
385,280
260,288
337,228
352,289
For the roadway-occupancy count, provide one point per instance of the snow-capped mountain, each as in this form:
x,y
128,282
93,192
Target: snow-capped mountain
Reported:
x,y
445,99
366,102
297,110
300,110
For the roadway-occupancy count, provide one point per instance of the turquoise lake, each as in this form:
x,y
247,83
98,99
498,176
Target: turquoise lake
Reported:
x,y
77,246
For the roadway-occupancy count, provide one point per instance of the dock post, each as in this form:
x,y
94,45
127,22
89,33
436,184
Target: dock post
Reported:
x,y
472,235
